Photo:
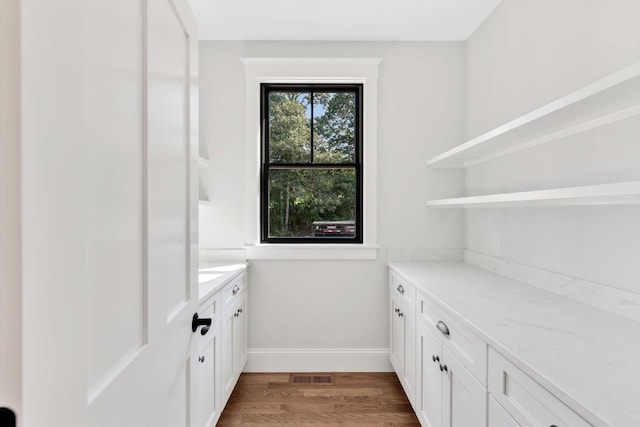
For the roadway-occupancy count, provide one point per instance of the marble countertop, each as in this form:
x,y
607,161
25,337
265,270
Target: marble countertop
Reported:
x,y
214,275
588,358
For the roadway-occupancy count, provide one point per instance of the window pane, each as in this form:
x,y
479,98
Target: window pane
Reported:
x,y
312,203
289,127
334,127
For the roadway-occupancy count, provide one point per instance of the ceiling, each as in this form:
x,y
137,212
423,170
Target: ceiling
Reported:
x,y
361,20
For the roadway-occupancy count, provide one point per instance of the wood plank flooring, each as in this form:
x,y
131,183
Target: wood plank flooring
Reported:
x,y
371,399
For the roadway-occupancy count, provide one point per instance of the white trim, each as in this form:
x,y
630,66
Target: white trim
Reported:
x,y
312,252
11,211
311,70
319,360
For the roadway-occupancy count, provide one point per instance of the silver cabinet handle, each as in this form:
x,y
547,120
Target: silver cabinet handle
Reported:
x,y
235,290
442,327
400,289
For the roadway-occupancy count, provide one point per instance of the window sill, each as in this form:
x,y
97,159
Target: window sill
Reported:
x,y
310,251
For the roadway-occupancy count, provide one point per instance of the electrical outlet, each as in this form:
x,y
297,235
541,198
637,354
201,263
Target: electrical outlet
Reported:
x,y
495,244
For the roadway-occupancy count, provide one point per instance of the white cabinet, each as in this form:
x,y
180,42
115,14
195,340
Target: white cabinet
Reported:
x,y
233,334
220,353
464,402
240,337
205,366
466,345
524,399
465,375
402,339
429,378
447,393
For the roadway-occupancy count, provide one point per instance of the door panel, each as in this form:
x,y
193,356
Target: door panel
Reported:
x,y
109,211
169,150
172,161
116,201
178,410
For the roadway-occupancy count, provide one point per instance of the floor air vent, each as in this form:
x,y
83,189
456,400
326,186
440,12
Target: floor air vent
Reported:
x,y
311,379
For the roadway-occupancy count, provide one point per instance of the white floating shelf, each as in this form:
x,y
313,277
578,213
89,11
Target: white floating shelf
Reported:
x,y
621,193
605,101
203,162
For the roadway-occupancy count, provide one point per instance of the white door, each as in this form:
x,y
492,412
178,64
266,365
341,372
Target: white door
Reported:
x,y
109,219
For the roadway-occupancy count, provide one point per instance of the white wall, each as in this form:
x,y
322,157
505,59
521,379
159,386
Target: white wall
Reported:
x,y
10,226
528,53
337,304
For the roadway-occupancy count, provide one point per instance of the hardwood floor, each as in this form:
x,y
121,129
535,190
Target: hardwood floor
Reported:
x,y
371,399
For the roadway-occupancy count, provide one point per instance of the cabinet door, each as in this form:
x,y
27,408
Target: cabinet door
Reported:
x,y
402,344
240,336
409,375
396,339
226,354
204,367
428,403
464,398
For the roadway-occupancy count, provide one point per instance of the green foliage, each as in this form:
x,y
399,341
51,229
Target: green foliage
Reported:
x,y
298,197
289,130
335,130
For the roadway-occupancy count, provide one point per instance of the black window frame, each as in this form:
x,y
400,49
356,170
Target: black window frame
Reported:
x,y
266,166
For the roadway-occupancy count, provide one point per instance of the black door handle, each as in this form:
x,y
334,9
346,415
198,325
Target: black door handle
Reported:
x,y
197,321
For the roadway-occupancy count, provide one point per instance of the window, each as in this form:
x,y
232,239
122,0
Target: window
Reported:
x,y
311,163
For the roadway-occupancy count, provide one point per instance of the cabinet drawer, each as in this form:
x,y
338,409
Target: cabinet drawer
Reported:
x,y
469,348
402,289
232,291
525,400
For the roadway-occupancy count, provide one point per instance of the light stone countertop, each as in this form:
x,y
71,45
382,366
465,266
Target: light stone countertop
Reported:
x,y
212,276
588,358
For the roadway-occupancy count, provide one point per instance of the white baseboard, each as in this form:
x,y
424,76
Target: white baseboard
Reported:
x,y
318,360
